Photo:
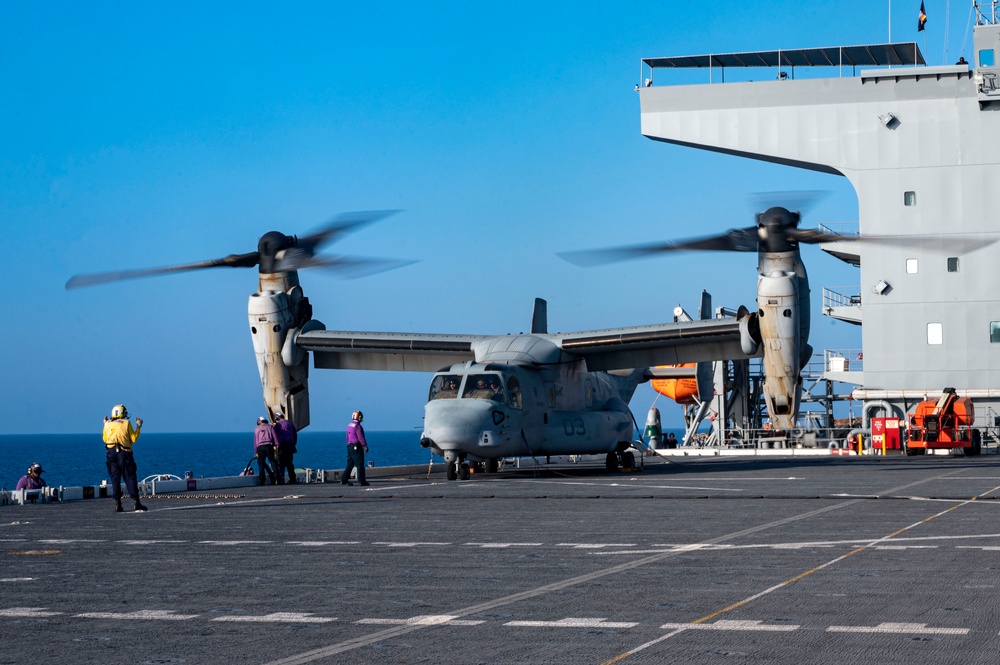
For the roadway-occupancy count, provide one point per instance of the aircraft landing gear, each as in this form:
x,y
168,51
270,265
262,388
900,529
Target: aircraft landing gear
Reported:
x,y
492,465
628,460
457,467
622,457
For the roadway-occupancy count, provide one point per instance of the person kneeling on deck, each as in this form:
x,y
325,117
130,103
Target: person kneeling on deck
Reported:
x,y
119,436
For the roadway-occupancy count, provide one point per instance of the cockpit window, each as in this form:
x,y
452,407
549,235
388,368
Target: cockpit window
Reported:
x,y
444,386
484,386
514,391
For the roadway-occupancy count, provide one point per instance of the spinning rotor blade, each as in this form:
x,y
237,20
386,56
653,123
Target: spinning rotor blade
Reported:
x,y
346,267
797,201
233,261
944,243
276,252
734,240
341,225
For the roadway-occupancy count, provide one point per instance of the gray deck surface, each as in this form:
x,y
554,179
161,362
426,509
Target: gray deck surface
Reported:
x,y
788,560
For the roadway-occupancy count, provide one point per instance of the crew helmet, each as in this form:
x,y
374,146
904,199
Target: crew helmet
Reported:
x,y
119,411
357,415
35,468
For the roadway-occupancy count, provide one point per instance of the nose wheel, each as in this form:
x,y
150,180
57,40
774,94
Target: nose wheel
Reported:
x,y
457,468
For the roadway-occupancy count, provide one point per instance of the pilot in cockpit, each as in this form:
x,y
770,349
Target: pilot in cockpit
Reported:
x,y
449,388
497,389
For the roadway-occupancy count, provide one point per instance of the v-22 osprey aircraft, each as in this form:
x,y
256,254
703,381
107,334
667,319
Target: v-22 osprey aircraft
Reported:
x,y
531,394
491,396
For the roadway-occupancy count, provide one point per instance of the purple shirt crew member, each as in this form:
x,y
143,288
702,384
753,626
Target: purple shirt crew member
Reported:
x,y
33,479
286,437
357,446
263,447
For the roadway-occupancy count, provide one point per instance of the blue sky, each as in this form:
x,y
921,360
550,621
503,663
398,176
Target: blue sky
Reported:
x,y
147,134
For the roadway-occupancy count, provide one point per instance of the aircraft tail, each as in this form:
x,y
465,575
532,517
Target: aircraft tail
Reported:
x,y
540,318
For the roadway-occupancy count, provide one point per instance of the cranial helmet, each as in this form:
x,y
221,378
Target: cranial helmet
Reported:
x,y
119,411
357,415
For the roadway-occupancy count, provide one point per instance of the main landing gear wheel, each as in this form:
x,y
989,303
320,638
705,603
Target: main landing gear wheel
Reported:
x,y
611,462
628,460
492,465
452,472
463,471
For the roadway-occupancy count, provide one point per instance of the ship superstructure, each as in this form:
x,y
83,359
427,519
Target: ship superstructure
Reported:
x,y
921,146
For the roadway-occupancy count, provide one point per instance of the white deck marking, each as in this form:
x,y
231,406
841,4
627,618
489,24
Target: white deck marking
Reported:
x,y
279,617
235,542
899,628
158,615
906,547
596,622
732,624
422,620
658,487
985,548
321,543
502,545
593,546
392,544
68,541
17,579
149,542
27,612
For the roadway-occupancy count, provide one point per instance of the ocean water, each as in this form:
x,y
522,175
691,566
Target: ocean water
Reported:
x,y
78,459
72,460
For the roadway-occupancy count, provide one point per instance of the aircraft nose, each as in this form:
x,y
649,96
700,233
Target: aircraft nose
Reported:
x,y
457,424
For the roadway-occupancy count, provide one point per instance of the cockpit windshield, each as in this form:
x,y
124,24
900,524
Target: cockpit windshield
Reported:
x,y
484,386
445,386
476,386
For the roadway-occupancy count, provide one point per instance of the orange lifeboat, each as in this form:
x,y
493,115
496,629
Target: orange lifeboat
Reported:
x,y
681,390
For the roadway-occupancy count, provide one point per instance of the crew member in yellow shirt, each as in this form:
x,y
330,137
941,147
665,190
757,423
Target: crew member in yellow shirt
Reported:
x,y
118,439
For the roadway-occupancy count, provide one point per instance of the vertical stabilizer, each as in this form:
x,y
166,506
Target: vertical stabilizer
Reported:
x,y
540,318
705,373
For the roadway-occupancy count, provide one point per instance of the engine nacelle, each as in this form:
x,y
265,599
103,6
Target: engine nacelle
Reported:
x,y
778,312
275,318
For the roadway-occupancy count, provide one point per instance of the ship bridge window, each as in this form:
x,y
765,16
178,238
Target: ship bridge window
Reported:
x,y
484,386
987,58
444,386
909,198
911,266
952,264
994,332
935,333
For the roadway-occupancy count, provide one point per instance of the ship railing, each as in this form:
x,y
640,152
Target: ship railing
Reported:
x,y
841,296
781,64
844,229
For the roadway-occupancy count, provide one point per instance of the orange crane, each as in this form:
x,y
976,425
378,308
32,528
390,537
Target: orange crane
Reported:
x,y
946,422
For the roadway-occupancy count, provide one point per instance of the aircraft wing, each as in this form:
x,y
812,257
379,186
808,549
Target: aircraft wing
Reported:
x,y
608,349
658,344
405,352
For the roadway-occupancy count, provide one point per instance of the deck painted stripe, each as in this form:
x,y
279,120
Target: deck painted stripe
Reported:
x,y
899,629
278,617
732,624
574,623
158,615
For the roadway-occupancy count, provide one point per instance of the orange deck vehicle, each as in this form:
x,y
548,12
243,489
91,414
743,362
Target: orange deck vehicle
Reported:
x,y
946,422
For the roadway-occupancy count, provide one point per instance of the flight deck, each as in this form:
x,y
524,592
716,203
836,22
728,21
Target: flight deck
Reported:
x,y
694,560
